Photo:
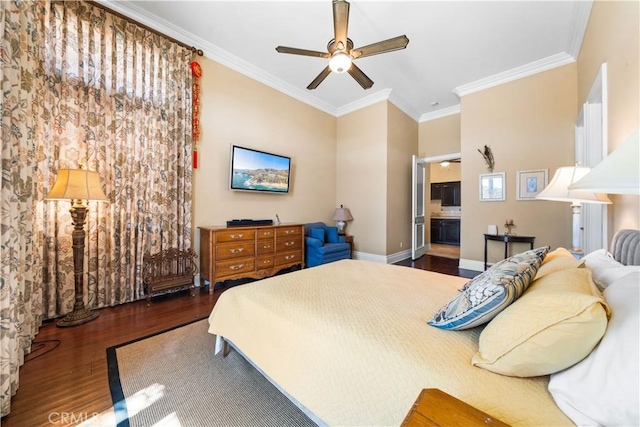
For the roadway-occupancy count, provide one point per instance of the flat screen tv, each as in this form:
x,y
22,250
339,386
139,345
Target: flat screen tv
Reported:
x,y
259,171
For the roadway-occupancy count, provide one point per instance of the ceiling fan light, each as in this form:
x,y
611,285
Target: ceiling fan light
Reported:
x,y
340,62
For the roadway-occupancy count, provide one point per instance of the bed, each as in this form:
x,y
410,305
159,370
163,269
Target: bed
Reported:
x,y
349,343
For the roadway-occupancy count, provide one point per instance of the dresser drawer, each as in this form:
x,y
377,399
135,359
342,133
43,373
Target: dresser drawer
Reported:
x,y
227,268
266,233
235,250
284,231
240,234
284,244
265,262
266,247
288,257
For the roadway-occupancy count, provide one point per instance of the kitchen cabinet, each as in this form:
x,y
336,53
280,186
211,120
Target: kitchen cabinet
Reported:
x,y
451,194
447,192
445,231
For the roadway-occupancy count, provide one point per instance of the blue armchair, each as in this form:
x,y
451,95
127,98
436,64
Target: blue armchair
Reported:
x,y
323,245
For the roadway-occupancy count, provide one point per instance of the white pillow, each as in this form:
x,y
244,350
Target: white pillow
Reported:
x,y
605,269
603,389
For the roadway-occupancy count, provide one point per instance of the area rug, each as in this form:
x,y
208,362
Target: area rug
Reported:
x,y
174,379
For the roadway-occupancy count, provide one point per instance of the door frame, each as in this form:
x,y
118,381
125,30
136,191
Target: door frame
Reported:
x,y
427,184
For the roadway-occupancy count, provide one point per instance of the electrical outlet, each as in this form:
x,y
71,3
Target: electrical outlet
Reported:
x,y
400,244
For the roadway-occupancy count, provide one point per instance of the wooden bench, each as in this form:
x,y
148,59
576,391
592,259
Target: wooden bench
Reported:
x,y
168,270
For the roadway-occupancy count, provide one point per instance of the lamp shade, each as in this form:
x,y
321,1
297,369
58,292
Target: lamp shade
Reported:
x,y
340,62
77,184
558,188
342,214
618,173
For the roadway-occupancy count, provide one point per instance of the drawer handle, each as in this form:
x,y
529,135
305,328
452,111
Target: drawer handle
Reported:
x,y
288,257
266,246
289,231
236,236
236,267
289,243
267,233
266,261
236,251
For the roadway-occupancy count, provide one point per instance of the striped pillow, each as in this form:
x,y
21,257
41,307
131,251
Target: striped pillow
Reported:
x,y
490,292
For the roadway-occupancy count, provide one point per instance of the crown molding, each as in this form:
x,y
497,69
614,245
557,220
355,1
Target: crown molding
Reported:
x,y
217,54
580,20
374,98
535,67
444,112
403,105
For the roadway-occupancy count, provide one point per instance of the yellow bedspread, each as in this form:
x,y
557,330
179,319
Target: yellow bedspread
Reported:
x,y
349,340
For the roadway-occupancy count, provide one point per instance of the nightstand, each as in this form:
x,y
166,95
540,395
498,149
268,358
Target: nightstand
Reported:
x,y
349,239
434,407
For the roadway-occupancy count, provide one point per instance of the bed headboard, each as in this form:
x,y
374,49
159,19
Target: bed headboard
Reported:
x,y
625,247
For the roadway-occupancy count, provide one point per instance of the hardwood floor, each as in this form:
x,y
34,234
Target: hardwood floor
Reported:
x,y
64,380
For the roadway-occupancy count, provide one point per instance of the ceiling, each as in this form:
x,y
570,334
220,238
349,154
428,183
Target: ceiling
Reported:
x,y
455,47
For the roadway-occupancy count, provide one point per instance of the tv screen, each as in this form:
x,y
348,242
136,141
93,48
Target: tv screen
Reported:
x,y
254,170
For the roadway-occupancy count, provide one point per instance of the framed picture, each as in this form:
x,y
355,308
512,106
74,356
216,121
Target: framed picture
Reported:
x,y
492,187
530,183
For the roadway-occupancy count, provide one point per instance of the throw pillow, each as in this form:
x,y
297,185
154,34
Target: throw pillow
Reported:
x,y
557,260
332,235
490,292
554,325
603,388
317,233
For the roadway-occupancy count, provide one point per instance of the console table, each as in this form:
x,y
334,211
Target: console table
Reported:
x,y
249,252
506,239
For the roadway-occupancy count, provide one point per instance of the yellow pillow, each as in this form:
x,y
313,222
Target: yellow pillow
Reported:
x,y
557,260
553,325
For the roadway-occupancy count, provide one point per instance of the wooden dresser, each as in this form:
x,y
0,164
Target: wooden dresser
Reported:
x,y
249,252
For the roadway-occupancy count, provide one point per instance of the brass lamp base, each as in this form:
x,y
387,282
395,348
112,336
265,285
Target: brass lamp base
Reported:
x,y
77,317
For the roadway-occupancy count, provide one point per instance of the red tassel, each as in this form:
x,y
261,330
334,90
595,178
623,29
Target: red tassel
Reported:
x,y
195,159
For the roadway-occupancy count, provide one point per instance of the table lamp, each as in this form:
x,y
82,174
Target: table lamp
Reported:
x,y
79,186
341,215
558,190
618,173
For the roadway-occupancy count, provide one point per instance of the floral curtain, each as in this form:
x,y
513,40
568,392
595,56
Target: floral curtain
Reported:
x,y
84,88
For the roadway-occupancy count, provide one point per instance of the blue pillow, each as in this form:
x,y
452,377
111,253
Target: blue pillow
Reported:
x,y
332,235
317,233
490,292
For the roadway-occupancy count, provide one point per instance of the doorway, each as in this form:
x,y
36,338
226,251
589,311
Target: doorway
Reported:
x,y
421,190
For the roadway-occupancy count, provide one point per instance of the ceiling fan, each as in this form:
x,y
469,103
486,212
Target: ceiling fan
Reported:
x,y
341,52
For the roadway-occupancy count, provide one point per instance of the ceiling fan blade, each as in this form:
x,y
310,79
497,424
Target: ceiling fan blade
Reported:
x,y
323,75
340,23
360,77
305,52
384,46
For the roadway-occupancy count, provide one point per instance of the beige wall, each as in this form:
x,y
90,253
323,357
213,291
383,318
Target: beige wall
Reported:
x,y
529,124
452,172
361,171
439,136
402,143
612,36
238,110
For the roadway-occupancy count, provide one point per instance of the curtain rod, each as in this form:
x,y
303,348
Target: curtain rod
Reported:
x,y
199,52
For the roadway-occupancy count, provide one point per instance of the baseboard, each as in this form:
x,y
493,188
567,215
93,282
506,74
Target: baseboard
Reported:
x,y
382,259
470,264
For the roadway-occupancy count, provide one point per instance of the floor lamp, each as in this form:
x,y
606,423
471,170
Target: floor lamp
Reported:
x,y
79,186
558,190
